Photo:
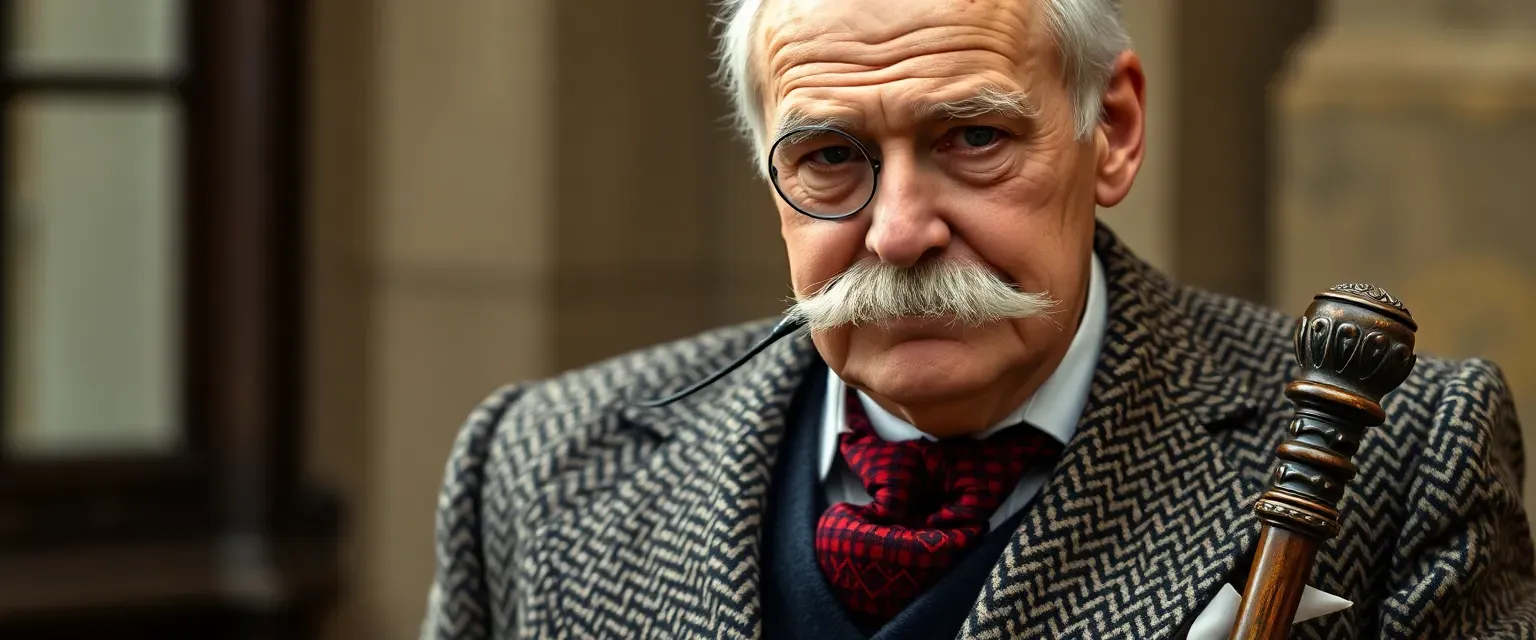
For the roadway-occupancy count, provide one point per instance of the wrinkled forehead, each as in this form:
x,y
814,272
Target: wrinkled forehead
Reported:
x,y
848,57
875,21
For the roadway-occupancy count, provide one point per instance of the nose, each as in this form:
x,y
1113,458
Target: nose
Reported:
x,y
905,224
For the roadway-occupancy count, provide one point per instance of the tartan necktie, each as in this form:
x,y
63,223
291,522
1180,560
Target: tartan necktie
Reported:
x,y
930,504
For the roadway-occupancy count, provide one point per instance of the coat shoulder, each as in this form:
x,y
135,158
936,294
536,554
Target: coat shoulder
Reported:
x,y
1255,343
1444,404
1249,341
532,422
1462,413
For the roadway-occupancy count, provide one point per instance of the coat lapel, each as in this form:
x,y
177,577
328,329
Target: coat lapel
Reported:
x,y
721,445
1143,519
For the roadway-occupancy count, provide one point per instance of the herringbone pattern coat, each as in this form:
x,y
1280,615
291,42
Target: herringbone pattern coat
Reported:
x,y
568,512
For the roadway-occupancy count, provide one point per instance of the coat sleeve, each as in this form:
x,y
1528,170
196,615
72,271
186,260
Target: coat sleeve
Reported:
x,y
1463,567
459,604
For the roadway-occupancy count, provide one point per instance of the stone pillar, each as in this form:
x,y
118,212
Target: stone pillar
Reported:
x,y
431,256
1407,138
633,227
1228,54
340,90
463,255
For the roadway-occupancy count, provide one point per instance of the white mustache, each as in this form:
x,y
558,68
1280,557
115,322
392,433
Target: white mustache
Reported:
x,y
873,291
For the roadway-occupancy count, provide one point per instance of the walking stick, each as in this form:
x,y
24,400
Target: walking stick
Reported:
x,y
1353,345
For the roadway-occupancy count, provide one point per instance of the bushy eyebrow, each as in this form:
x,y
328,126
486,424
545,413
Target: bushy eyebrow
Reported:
x,y
795,118
987,100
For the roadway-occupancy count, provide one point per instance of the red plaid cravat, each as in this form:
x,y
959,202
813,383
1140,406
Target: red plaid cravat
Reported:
x,y
931,502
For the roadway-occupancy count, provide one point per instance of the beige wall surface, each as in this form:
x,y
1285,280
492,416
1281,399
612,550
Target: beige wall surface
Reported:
x,y
431,208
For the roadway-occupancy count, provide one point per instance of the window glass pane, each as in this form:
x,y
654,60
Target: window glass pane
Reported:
x,y
92,344
139,36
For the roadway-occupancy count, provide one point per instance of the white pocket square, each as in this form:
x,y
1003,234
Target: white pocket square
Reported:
x,y
1215,623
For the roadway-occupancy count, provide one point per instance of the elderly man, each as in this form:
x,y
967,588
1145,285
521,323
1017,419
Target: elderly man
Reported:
x,y
987,418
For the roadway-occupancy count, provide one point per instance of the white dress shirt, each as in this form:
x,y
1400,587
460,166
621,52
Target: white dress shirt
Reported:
x,y
1055,409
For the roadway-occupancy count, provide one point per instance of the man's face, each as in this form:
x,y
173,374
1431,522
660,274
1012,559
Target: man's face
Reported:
x,y
1011,190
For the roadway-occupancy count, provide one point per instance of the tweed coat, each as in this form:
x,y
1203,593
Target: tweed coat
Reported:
x,y
569,512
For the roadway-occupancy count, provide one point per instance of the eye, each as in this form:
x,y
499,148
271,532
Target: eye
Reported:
x,y
973,139
977,152
979,136
832,155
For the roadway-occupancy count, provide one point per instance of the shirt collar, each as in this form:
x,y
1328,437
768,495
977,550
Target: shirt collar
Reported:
x,y
1054,408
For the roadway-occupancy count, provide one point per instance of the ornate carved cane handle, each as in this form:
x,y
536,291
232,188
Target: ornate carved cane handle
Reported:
x,y
1353,345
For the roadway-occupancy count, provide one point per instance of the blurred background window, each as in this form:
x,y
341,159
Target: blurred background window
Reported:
x,y
149,405
93,157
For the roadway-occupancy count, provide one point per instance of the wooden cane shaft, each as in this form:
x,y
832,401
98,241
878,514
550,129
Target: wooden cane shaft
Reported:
x,y
1273,591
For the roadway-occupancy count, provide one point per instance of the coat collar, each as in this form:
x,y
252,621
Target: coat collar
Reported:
x,y
1143,519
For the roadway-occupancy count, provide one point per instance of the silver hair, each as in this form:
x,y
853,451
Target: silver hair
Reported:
x,y
873,291
1089,35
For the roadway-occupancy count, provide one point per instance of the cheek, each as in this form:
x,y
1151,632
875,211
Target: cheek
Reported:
x,y
818,249
1011,214
833,347
1018,224
1031,180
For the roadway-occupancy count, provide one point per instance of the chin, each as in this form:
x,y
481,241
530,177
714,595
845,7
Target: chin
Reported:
x,y
922,372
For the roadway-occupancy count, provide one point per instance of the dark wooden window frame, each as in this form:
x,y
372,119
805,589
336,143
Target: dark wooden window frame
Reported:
x,y
235,482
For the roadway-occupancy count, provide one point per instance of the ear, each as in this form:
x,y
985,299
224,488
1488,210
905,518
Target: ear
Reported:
x,y
1119,140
